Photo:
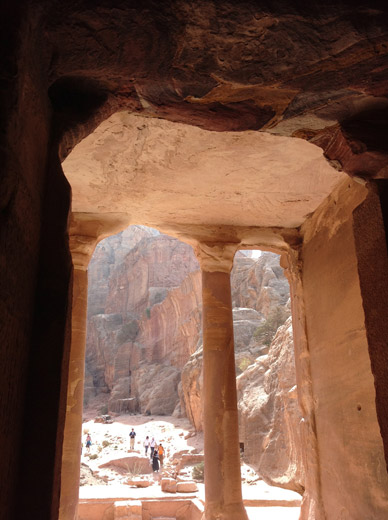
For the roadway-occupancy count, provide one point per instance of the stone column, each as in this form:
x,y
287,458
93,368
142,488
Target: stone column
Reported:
x,y
71,454
223,497
86,230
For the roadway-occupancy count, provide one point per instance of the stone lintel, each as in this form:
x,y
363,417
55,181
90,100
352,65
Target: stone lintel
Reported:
x,y
87,229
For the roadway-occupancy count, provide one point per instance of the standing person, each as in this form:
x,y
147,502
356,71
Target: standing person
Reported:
x,y
155,461
132,436
161,454
146,444
88,442
152,447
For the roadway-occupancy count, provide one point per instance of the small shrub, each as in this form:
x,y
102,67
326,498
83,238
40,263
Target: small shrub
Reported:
x,y
148,312
199,472
105,443
135,471
244,363
128,332
266,332
93,456
104,410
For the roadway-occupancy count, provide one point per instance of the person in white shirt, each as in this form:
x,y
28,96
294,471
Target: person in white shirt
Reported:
x,y
146,444
152,446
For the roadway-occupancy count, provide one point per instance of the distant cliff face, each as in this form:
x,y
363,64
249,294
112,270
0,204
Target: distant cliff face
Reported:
x,y
269,415
259,283
108,255
144,343
144,307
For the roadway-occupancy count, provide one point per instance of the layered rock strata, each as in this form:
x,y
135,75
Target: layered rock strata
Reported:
x,y
148,286
269,414
151,314
147,355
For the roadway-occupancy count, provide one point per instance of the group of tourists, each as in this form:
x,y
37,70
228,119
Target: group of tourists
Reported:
x,y
156,450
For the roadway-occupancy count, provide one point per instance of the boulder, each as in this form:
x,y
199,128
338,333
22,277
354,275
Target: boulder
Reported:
x,y
186,487
189,459
138,482
132,463
168,485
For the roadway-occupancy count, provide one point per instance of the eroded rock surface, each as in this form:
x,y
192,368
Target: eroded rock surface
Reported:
x,y
151,324
146,352
259,284
269,414
150,297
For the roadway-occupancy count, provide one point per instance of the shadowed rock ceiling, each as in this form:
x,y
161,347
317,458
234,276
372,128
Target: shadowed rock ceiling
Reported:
x,y
160,172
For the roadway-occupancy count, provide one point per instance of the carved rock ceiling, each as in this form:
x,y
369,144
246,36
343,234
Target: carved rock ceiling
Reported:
x,y
158,172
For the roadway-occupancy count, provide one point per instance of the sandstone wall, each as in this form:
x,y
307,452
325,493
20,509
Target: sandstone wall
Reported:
x,y
142,278
35,275
172,331
269,414
351,459
152,312
107,256
150,298
259,285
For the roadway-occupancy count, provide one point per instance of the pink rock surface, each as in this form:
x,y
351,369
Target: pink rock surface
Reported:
x,y
186,487
130,463
169,485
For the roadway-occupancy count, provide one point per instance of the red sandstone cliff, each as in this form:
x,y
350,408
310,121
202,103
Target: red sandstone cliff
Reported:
x,y
269,415
144,307
144,349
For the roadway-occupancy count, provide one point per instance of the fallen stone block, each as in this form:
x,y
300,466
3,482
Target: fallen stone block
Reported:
x,y
169,485
186,487
131,463
138,482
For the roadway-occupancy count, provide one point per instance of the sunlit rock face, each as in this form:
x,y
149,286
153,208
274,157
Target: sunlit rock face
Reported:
x,y
259,285
269,414
150,297
148,287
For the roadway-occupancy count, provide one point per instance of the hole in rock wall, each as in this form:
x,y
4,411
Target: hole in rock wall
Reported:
x,y
144,363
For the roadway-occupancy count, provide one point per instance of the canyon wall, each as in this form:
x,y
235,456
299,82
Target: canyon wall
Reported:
x,y
269,414
144,344
144,308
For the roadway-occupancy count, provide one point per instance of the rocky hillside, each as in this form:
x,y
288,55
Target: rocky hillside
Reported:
x,y
269,414
144,308
144,345
146,311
